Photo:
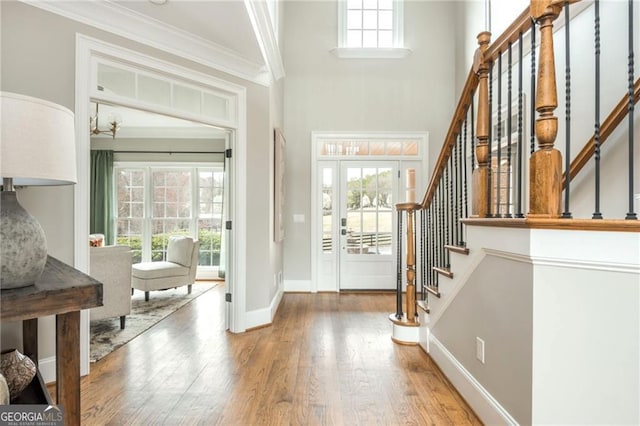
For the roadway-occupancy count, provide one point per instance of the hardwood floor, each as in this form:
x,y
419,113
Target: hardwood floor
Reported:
x,y
328,359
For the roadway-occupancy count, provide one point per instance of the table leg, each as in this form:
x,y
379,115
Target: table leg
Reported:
x,y
68,365
30,339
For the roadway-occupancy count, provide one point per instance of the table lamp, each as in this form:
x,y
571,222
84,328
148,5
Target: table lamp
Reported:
x,y
37,147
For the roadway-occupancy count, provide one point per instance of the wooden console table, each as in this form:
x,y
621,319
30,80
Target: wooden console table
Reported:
x,y
61,291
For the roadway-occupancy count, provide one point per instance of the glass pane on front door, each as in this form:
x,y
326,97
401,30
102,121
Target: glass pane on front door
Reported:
x,y
369,210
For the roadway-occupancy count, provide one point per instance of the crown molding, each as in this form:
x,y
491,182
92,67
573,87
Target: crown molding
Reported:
x,y
112,18
266,37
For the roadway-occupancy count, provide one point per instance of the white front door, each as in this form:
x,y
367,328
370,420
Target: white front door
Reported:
x,y
355,186
368,193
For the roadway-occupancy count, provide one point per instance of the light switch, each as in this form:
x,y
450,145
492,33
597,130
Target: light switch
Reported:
x,y
298,218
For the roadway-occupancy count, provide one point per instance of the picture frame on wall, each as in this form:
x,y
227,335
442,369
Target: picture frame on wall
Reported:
x,y
279,190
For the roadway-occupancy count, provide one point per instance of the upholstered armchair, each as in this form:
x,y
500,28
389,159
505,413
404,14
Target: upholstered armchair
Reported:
x,y
111,265
179,269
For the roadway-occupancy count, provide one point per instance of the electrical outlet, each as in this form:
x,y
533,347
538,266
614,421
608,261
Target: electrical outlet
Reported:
x,y
480,349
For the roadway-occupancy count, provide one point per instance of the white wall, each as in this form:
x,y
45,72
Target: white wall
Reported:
x,y
38,59
325,93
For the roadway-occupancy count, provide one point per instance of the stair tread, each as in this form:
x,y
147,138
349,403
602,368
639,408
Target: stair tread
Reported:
x,y
457,249
433,290
443,271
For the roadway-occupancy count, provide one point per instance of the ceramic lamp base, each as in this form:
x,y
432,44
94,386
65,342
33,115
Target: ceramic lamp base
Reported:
x,y
23,246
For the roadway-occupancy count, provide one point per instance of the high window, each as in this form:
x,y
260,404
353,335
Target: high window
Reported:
x,y
156,202
371,24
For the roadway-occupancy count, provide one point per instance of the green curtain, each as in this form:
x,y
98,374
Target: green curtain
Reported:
x,y
101,209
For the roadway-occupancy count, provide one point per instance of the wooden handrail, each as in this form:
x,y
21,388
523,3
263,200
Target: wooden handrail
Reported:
x,y
522,24
466,97
617,115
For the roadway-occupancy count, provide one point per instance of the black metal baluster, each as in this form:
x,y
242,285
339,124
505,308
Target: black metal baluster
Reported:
x,y
596,135
432,255
456,207
500,127
532,147
438,260
461,188
436,233
473,154
461,154
452,209
473,136
423,253
454,191
567,89
415,266
509,131
465,182
490,142
442,224
438,228
448,216
519,148
631,215
399,269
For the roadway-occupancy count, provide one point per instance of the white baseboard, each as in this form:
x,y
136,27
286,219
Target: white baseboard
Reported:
x,y
264,316
480,400
275,303
47,367
297,285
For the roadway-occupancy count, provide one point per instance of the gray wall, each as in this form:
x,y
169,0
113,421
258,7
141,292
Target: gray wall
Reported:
x,y
496,305
38,59
325,93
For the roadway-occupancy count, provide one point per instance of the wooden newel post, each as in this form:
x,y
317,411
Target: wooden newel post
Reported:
x,y
480,200
545,178
410,208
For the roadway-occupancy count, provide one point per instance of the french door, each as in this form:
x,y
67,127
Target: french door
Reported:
x,y
358,225
356,184
368,192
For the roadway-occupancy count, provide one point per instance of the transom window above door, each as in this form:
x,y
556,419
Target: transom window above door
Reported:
x,y
378,147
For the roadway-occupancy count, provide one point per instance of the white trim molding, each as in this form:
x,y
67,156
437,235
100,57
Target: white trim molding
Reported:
x,y
264,316
371,52
86,49
267,39
481,401
121,21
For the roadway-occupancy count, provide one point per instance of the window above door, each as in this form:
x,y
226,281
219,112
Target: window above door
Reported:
x,y
371,29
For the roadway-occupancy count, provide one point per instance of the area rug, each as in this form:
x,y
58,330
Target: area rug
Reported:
x,y
106,335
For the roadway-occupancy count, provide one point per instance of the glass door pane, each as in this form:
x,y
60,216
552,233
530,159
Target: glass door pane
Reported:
x,y
171,208
367,224
210,206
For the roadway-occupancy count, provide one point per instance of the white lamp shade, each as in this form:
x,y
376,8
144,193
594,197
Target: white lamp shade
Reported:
x,y
38,141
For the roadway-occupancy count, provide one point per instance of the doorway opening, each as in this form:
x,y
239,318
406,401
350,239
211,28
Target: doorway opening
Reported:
x,y
112,75
357,180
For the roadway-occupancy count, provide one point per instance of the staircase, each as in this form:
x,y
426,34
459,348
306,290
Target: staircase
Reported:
x,y
535,318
